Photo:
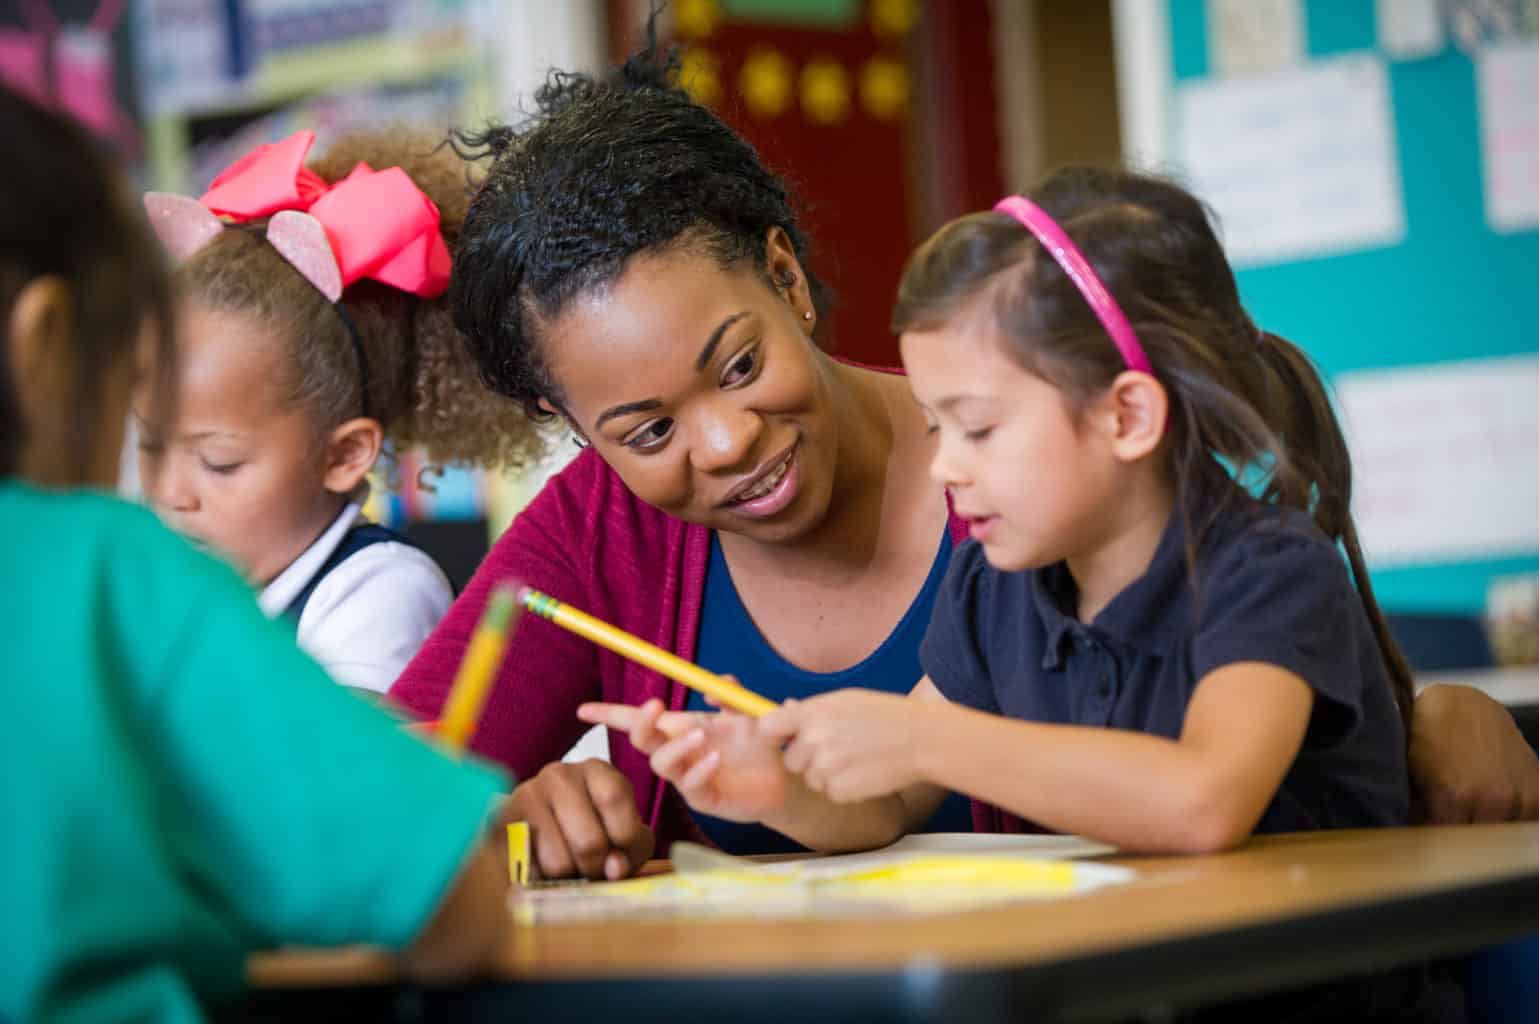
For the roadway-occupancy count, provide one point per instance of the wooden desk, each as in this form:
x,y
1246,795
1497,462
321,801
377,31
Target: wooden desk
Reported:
x,y
1281,912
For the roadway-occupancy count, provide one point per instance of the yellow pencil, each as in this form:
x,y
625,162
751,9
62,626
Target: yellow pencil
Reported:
x,y
719,688
478,669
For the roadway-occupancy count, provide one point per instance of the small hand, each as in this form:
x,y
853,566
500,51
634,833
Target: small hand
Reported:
x,y
849,745
584,821
716,761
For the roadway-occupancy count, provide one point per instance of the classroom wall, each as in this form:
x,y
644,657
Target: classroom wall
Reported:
x,y
1450,290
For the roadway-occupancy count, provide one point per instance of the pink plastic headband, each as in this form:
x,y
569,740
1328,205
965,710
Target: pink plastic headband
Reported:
x,y
1073,262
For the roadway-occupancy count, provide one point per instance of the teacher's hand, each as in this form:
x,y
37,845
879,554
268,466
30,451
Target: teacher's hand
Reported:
x,y
583,820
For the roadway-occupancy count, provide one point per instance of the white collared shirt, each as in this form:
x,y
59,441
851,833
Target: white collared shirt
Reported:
x,y
371,613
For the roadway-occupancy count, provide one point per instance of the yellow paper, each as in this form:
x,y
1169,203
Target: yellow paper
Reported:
x,y
907,884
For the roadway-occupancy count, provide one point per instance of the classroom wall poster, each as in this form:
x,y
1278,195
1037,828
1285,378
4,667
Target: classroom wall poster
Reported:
x,y
1446,460
1296,164
183,56
1252,36
1410,29
1507,78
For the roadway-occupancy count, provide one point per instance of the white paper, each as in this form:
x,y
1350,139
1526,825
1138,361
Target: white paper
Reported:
x,y
1507,77
1409,29
182,51
1026,846
1297,164
710,884
1250,36
1446,460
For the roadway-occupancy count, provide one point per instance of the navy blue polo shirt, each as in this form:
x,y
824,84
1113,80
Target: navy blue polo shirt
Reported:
x,y
1269,587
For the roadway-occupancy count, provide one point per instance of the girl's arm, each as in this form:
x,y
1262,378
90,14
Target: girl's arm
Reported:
x,y
728,766
1202,792
821,817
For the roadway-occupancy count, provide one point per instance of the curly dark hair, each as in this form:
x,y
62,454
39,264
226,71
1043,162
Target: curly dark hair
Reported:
x,y
423,387
607,167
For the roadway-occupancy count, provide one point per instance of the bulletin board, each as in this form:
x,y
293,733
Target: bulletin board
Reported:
x,y
1448,287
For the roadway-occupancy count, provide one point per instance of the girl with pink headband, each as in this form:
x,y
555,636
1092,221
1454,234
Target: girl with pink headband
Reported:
x,y
314,335
1151,637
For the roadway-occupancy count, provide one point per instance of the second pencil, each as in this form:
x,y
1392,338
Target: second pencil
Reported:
x,y
719,688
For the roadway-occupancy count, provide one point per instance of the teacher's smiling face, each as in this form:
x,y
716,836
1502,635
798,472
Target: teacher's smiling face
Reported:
x,y
702,388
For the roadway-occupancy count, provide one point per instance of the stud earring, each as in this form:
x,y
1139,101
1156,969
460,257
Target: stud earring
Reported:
x,y
806,314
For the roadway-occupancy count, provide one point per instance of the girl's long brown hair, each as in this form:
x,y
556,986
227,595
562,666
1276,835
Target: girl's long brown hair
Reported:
x,y
1248,409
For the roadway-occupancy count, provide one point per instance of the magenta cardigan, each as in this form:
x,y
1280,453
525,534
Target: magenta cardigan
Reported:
x,y
588,540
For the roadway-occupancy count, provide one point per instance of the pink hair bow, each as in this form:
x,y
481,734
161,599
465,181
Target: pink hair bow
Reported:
x,y
374,224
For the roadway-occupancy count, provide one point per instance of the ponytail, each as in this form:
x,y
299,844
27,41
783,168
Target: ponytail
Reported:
x,y
1320,480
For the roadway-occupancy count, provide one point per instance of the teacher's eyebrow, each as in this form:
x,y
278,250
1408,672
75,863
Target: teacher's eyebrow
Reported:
x,y
647,404
624,410
715,339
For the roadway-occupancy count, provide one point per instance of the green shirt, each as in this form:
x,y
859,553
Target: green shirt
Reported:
x,y
181,785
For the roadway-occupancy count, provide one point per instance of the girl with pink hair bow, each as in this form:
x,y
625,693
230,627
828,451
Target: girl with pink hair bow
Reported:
x,y
314,338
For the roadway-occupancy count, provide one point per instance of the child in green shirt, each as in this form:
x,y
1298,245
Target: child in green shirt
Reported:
x,y
182,784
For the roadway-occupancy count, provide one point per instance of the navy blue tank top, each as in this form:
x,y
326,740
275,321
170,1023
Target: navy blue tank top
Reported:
x,y
355,540
731,644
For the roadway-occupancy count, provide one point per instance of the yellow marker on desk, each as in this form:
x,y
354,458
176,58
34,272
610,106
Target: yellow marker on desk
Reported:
x,y
719,688
478,670
520,857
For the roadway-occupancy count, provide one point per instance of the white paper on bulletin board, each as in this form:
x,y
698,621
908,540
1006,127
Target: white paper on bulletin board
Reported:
x,y
1507,76
1250,36
1297,164
1446,460
1409,29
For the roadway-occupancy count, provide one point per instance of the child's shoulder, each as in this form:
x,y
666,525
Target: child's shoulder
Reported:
x,y
61,534
971,578
80,517
1251,537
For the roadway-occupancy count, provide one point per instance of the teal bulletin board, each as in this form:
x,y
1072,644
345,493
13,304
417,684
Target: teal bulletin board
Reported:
x,y
1451,290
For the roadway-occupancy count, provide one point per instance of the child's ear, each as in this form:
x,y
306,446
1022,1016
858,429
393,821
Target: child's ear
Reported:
x,y
38,343
44,367
1135,408
350,453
